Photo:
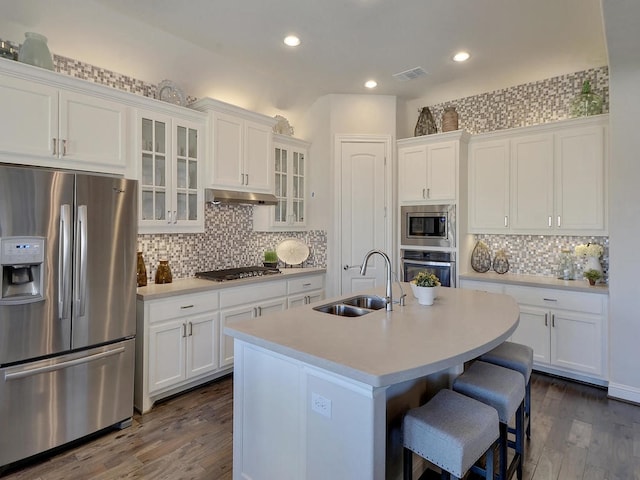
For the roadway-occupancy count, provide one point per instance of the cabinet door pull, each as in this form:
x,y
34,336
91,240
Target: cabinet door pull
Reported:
x,y
546,319
168,216
175,217
506,221
190,329
558,220
424,193
247,175
64,147
259,311
183,307
307,300
553,320
54,142
549,221
306,285
184,330
550,299
428,193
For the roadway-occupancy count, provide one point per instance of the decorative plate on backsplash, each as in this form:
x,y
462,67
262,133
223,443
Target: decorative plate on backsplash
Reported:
x,y
481,257
501,262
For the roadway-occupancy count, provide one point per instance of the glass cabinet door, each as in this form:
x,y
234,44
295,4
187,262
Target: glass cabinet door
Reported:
x,y
154,181
186,154
297,191
281,184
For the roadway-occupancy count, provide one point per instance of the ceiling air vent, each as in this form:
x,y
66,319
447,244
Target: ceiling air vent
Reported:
x,y
410,74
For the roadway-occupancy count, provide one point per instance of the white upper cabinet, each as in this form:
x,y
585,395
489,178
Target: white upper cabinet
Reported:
x,y
170,154
428,168
489,186
546,179
290,173
241,146
46,124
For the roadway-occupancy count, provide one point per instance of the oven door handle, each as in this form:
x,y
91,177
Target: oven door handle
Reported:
x,y
428,263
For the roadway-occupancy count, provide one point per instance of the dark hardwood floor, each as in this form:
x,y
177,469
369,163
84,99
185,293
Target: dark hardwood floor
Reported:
x,y
577,433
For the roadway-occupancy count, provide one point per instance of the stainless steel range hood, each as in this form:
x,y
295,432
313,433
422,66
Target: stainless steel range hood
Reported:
x,y
214,196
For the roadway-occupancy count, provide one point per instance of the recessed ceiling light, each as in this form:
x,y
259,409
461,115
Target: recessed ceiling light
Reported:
x,y
292,41
461,56
371,84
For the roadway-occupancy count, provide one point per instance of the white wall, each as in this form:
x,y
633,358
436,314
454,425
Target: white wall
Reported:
x,y
623,38
329,116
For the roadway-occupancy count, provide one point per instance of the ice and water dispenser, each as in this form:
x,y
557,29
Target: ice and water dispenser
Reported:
x,y
22,261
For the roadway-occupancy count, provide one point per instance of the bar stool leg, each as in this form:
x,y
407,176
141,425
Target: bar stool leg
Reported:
x,y
407,463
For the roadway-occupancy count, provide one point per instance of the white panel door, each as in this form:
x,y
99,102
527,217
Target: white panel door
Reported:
x,y
226,342
363,215
489,186
533,330
576,341
258,156
166,354
29,119
441,174
227,150
412,173
532,183
202,348
93,131
579,176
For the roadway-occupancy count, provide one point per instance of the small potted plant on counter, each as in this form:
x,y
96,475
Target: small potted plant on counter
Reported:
x,y
270,259
592,275
423,286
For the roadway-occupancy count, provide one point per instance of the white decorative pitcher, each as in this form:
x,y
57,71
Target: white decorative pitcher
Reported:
x,y
593,263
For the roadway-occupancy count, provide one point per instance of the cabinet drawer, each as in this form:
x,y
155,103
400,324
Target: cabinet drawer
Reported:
x,y
481,286
248,294
182,305
550,298
304,284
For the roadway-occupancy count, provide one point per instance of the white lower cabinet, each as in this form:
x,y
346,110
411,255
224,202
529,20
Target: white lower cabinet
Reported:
x,y
567,330
180,341
176,345
305,290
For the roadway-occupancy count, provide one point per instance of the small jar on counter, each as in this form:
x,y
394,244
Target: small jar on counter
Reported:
x,y
566,266
163,273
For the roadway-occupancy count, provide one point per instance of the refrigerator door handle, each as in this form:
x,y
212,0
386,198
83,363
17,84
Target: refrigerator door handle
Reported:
x,y
64,263
62,365
81,278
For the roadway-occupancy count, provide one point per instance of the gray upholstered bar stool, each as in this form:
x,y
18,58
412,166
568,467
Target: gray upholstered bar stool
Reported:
x,y
516,357
503,389
453,432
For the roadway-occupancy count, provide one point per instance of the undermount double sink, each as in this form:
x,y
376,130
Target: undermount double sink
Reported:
x,y
353,306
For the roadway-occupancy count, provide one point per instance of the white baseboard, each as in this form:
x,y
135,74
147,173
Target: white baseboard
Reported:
x,y
624,392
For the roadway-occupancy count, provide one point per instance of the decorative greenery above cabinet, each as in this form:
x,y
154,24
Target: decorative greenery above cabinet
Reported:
x,y
290,173
240,143
547,179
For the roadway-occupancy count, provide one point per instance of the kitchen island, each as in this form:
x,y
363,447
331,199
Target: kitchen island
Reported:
x,y
322,396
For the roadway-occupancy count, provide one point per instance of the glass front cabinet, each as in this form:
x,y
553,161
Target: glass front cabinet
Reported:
x,y
290,170
170,187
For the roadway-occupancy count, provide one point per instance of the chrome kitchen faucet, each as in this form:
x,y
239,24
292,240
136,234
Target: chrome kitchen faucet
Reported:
x,y
363,269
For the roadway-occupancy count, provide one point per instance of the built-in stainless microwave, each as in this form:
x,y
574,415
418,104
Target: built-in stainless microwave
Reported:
x,y
428,225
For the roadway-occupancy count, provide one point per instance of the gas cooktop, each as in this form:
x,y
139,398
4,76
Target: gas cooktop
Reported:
x,y
236,273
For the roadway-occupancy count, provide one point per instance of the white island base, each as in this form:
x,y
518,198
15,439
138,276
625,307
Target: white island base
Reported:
x,y
309,408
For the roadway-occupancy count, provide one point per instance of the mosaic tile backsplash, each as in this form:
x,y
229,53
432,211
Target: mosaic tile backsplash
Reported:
x,y
540,255
230,241
524,105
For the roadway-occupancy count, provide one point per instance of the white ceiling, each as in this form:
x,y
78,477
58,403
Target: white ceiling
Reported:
x,y
232,49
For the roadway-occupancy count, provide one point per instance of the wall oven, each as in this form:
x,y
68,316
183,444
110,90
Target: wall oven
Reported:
x,y
428,225
442,264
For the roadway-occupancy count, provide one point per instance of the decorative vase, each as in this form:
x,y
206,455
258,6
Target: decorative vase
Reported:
x,y
425,295
481,257
501,262
426,124
587,102
593,263
141,271
163,273
35,51
449,119
592,282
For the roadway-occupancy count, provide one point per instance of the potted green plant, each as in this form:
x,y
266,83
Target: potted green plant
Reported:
x,y
592,275
270,259
423,287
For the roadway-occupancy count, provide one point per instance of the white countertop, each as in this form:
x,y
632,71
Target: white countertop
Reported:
x,y
383,348
196,285
581,285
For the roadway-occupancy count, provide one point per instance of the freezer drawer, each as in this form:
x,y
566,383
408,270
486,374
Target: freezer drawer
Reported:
x,y
50,402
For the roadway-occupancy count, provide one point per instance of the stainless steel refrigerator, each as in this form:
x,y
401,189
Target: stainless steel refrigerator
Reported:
x,y
67,307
